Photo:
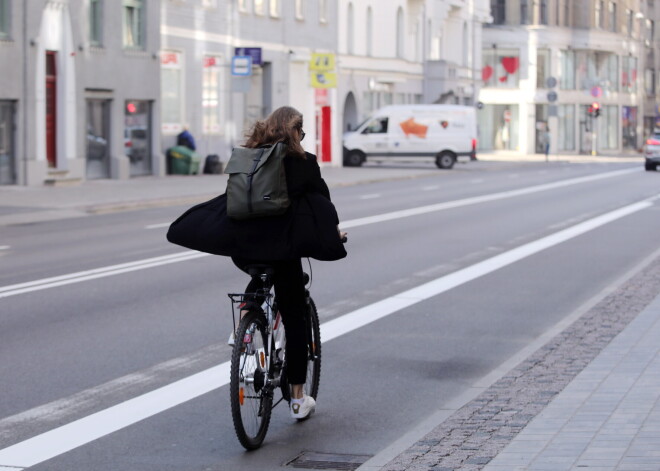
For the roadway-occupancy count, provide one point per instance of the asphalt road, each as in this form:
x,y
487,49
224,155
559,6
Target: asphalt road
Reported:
x,y
468,268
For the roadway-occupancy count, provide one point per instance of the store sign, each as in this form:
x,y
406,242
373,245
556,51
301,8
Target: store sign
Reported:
x,y
170,59
322,67
324,80
241,65
253,52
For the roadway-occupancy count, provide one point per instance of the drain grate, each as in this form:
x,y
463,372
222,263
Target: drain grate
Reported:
x,y
313,460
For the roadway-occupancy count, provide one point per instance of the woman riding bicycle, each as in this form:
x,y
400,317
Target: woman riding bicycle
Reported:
x,y
307,228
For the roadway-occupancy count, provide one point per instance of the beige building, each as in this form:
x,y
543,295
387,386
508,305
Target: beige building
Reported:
x,y
547,62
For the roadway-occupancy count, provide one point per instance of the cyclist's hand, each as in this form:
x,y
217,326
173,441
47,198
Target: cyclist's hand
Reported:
x,y
343,236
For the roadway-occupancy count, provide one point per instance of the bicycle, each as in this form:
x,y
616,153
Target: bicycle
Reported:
x,y
258,361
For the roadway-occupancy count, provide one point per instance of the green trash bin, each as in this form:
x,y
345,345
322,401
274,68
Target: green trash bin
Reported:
x,y
183,161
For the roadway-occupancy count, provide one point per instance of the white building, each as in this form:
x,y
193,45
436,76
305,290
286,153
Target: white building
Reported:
x,y
545,63
407,51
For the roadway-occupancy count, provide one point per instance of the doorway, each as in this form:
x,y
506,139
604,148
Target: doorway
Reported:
x,y
7,168
51,108
97,139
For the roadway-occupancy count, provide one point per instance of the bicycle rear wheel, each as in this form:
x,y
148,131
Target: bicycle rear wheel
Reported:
x,y
251,402
314,351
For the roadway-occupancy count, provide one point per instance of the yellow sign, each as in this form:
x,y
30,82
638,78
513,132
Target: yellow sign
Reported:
x,y
322,62
324,80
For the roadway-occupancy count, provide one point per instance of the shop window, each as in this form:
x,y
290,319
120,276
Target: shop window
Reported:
x,y
5,22
566,127
498,127
7,170
501,68
629,127
137,136
171,92
96,22
608,128
211,86
134,27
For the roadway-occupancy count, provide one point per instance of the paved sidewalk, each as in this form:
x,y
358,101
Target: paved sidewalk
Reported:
x,y
607,418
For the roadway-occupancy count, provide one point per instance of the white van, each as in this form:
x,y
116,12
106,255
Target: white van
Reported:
x,y
445,132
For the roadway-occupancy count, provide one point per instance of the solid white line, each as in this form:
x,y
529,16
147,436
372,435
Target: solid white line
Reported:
x,y
4,247
480,199
370,196
67,437
102,272
158,226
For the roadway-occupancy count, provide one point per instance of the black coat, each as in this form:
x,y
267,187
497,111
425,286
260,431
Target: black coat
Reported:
x,y
307,229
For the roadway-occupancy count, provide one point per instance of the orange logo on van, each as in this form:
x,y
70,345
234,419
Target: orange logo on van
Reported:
x,y
410,126
444,124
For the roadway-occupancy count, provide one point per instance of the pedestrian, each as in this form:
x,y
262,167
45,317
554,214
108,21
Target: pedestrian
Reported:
x,y
185,138
546,140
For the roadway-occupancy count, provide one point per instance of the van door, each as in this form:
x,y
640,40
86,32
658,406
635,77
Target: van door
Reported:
x,y
375,138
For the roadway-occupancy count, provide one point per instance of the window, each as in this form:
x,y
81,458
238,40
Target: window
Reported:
x,y
211,118
95,22
370,32
171,91
350,26
629,127
243,6
275,8
134,24
376,126
4,19
608,127
501,68
299,10
567,13
543,14
498,11
399,33
629,74
629,22
650,32
567,62
323,11
524,12
566,131
598,14
612,10
542,67
649,81
260,7
210,3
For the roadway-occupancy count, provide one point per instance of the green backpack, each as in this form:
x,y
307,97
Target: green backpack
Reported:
x,y
257,182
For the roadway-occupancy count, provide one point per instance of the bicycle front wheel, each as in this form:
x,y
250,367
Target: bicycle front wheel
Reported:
x,y
313,351
251,402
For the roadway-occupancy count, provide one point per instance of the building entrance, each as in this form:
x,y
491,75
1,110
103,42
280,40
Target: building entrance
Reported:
x,y
98,132
51,109
7,166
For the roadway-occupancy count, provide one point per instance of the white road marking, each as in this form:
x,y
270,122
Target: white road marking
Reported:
x,y
477,180
80,432
430,187
4,247
12,290
370,196
158,226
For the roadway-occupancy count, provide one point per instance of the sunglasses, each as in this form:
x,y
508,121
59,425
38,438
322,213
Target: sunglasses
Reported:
x,y
302,134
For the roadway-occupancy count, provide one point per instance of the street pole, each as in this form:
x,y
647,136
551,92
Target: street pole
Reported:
x,y
593,135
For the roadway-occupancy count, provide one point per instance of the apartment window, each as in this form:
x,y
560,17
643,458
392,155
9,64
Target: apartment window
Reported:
x,y
243,6
612,11
211,75
399,32
4,19
210,3
260,7
629,22
95,22
629,74
171,91
649,81
650,32
299,10
350,25
275,8
524,12
323,11
598,14
370,32
567,61
501,68
498,11
542,67
134,18
543,13
567,13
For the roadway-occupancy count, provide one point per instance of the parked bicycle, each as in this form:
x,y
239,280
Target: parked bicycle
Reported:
x,y
258,362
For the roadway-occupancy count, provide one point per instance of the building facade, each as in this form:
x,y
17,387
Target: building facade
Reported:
x,y
549,64
408,51
204,87
78,90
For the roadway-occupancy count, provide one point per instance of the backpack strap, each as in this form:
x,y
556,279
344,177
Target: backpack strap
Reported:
x,y
256,161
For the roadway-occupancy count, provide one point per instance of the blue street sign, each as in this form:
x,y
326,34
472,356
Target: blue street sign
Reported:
x,y
241,65
254,52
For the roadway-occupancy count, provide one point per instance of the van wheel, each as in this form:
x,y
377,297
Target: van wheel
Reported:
x,y
354,159
445,160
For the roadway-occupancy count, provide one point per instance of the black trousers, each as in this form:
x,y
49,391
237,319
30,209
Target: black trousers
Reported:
x,y
290,297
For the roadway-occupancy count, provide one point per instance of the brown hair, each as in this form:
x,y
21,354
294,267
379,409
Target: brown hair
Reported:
x,y
282,125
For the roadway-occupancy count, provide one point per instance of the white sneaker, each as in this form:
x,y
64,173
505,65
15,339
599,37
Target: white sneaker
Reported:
x,y
232,338
304,410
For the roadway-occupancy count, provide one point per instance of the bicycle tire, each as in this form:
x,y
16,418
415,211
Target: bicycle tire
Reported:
x,y
251,404
314,351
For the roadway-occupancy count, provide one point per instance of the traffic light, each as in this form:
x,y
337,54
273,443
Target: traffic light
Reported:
x,y
595,106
